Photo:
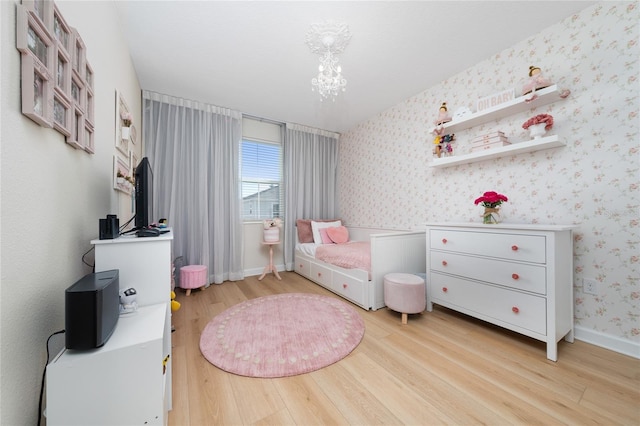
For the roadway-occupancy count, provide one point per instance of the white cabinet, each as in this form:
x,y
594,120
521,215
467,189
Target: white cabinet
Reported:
x,y
121,383
516,276
545,96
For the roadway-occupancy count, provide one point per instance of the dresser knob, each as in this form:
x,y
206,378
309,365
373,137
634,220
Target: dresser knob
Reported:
x,y
444,241
514,248
444,263
515,310
344,286
319,274
444,289
515,276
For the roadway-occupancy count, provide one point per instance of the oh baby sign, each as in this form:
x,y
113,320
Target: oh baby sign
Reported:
x,y
495,99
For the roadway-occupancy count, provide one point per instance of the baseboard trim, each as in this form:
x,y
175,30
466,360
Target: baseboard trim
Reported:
x,y
616,344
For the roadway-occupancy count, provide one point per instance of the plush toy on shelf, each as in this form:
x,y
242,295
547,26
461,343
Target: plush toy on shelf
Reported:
x,y
443,115
536,81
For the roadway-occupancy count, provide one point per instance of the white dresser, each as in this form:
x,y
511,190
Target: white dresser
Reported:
x,y
128,380
516,276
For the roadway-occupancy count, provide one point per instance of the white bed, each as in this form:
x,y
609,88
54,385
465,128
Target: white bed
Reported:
x,y
391,251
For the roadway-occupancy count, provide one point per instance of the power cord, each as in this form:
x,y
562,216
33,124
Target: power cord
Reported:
x,y
85,262
44,374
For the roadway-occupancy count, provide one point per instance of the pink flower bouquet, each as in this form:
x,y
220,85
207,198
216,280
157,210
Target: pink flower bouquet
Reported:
x,y
545,119
491,199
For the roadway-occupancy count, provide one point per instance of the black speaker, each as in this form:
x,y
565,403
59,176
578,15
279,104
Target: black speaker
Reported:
x,y
92,309
109,227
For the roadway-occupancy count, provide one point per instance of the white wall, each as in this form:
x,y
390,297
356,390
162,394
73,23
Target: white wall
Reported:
x,y
592,182
52,197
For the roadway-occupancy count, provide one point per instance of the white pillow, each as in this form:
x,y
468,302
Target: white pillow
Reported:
x,y
316,226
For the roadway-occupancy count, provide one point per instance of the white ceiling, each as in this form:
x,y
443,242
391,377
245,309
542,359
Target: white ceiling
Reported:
x,y
251,56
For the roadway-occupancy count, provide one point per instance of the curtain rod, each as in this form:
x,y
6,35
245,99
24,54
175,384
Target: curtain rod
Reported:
x,y
264,120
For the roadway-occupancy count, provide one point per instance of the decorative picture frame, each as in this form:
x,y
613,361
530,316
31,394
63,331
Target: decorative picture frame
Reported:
x,y
57,81
77,128
122,139
42,10
133,161
35,43
62,32
121,183
62,113
37,91
89,144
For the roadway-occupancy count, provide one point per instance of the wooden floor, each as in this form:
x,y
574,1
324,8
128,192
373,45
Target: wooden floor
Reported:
x,y
441,368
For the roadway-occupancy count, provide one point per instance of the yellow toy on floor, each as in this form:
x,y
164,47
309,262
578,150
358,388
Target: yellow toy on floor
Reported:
x,y
175,305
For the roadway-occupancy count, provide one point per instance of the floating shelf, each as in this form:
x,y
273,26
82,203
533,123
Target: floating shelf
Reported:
x,y
503,151
545,96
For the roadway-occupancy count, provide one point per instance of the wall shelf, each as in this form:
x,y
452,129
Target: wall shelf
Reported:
x,y
545,96
517,148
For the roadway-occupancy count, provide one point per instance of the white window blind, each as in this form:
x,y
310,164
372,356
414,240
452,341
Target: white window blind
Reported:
x,y
261,168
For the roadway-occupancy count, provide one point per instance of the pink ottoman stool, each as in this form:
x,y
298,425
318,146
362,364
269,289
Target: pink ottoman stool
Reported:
x,y
193,276
405,293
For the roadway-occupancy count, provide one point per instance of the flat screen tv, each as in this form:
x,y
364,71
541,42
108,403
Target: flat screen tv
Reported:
x,y
143,178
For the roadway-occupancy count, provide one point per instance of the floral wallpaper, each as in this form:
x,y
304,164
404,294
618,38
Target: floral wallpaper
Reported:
x,y
385,178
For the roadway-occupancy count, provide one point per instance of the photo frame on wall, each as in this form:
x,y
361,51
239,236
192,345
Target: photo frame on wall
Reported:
x,y
36,44
123,124
56,79
133,161
122,177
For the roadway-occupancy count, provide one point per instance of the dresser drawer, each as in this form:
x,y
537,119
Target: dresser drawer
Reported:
x,y
321,275
488,302
525,248
303,267
521,276
349,288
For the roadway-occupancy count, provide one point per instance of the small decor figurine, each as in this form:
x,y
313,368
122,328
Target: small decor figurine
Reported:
x,y
443,143
271,229
443,115
128,302
536,82
491,202
538,125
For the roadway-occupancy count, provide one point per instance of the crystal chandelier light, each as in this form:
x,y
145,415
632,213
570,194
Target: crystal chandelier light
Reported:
x,y
328,39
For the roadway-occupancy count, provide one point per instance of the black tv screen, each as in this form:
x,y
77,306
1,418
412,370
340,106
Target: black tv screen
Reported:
x,y
143,177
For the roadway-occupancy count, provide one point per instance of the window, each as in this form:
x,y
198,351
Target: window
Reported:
x,y
261,168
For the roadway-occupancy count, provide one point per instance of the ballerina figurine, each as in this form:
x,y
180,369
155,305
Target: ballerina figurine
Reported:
x,y
443,115
536,81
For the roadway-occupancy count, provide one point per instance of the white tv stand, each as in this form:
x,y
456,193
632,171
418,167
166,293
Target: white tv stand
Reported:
x,y
123,382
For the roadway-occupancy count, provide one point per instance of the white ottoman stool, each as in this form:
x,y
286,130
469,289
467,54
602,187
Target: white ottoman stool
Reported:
x,y
193,276
405,293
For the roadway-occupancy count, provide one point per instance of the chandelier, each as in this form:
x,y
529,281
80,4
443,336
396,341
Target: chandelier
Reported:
x,y
328,39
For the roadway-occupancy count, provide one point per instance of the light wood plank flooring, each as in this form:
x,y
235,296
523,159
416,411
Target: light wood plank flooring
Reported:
x,y
441,368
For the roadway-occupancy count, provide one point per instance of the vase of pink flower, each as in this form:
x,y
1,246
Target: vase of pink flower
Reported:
x,y
538,125
491,202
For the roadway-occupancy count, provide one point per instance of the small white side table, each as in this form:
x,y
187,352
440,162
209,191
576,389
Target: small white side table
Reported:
x,y
270,267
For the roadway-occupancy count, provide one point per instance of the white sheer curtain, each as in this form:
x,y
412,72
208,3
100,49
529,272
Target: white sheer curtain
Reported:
x,y
310,175
193,149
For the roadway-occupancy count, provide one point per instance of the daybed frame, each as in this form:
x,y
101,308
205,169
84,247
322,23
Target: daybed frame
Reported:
x,y
395,251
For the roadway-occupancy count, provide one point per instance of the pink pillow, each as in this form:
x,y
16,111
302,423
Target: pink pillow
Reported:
x,y
305,233
338,234
325,236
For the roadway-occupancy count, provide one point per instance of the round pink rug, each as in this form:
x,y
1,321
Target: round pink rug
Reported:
x,y
281,335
